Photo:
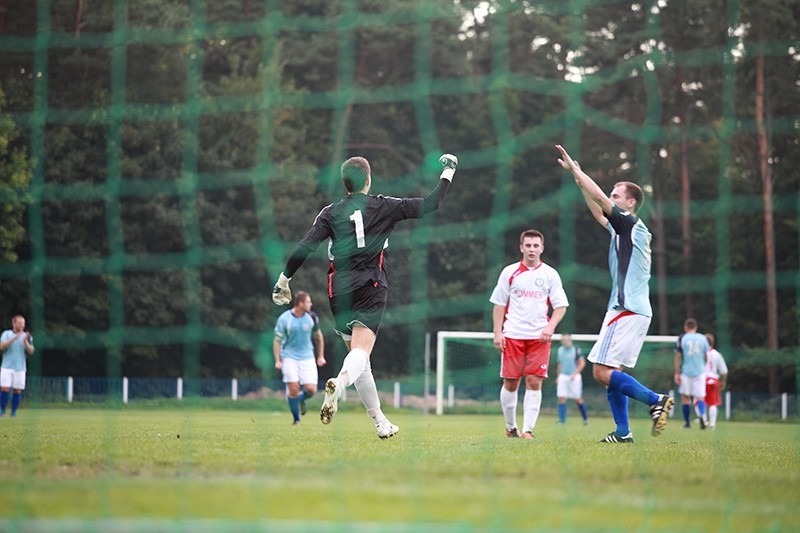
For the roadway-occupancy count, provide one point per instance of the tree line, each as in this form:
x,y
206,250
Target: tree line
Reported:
x,y
157,164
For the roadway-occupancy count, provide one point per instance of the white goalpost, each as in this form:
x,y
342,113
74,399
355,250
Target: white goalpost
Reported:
x,y
442,338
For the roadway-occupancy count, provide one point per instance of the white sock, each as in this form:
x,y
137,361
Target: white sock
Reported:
x,y
530,409
508,402
712,415
353,366
368,391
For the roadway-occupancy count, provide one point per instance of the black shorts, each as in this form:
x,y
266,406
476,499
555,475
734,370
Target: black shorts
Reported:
x,y
363,306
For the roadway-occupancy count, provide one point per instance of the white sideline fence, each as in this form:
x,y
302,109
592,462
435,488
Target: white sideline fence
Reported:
x,y
397,396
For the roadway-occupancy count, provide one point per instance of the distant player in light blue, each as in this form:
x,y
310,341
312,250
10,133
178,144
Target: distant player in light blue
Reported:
x,y
16,345
690,371
628,313
294,352
570,382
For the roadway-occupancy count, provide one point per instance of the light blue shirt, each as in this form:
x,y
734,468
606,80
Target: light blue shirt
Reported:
x,y
295,334
568,358
629,263
14,358
693,348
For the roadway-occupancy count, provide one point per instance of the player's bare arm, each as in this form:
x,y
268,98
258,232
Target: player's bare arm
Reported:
x,y
550,328
276,352
319,340
29,349
497,321
598,202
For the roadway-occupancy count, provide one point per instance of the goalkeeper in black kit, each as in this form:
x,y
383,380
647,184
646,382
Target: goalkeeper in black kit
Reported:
x,y
357,229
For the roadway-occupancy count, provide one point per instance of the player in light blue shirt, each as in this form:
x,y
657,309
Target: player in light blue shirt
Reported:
x,y
294,352
16,345
690,371
629,313
569,384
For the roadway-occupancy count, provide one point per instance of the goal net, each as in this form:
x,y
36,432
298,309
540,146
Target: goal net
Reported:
x,y
468,370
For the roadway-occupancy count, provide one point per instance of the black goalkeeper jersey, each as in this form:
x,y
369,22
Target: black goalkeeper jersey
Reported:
x,y
357,229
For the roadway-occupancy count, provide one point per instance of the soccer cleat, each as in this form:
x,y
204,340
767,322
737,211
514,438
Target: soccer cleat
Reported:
x,y
296,423
616,439
303,408
331,402
659,413
702,422
386,429
528,435
512,433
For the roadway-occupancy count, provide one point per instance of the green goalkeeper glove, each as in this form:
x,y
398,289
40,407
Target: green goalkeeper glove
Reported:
x,y
281,293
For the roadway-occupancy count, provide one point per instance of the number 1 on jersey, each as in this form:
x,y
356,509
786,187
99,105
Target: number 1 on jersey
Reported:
x,y
358,220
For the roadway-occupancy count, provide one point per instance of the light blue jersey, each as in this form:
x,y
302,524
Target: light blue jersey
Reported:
x,y
295,334
629,263
15,358
693,347
568,358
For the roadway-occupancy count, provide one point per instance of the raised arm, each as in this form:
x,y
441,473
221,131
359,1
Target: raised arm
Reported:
x,y
434,199
598,202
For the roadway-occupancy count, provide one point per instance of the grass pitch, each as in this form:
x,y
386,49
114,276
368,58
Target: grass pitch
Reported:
x,y
192,469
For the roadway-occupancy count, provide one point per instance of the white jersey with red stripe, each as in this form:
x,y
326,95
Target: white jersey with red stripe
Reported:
x,y
715,364
527,293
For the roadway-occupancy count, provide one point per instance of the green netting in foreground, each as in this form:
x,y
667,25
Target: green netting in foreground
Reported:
x,y
180,148
140,212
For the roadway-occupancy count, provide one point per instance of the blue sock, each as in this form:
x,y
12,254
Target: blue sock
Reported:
x,y
15,399
584,414
687,412
619,410
294,407
304,395
562,412
701,408
3,401
629,386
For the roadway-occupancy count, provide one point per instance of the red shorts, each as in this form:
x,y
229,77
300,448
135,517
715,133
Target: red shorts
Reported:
x,y
527,357
713,397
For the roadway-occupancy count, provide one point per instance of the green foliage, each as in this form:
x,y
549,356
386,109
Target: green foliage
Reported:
x,y
15,175
182,148
254,470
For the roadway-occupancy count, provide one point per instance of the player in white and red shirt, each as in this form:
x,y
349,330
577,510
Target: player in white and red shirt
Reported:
x,y
716,375
524,294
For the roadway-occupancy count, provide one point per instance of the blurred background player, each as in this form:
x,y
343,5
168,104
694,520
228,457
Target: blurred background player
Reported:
x,y
294,352
522,330
690,371
357,228
716,376
16,345
569,384
628,313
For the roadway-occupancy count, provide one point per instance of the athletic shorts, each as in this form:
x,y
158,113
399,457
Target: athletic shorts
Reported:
x,y
524,357
364,306
620,340
693,386
569,388
13,379
713,395
300,371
